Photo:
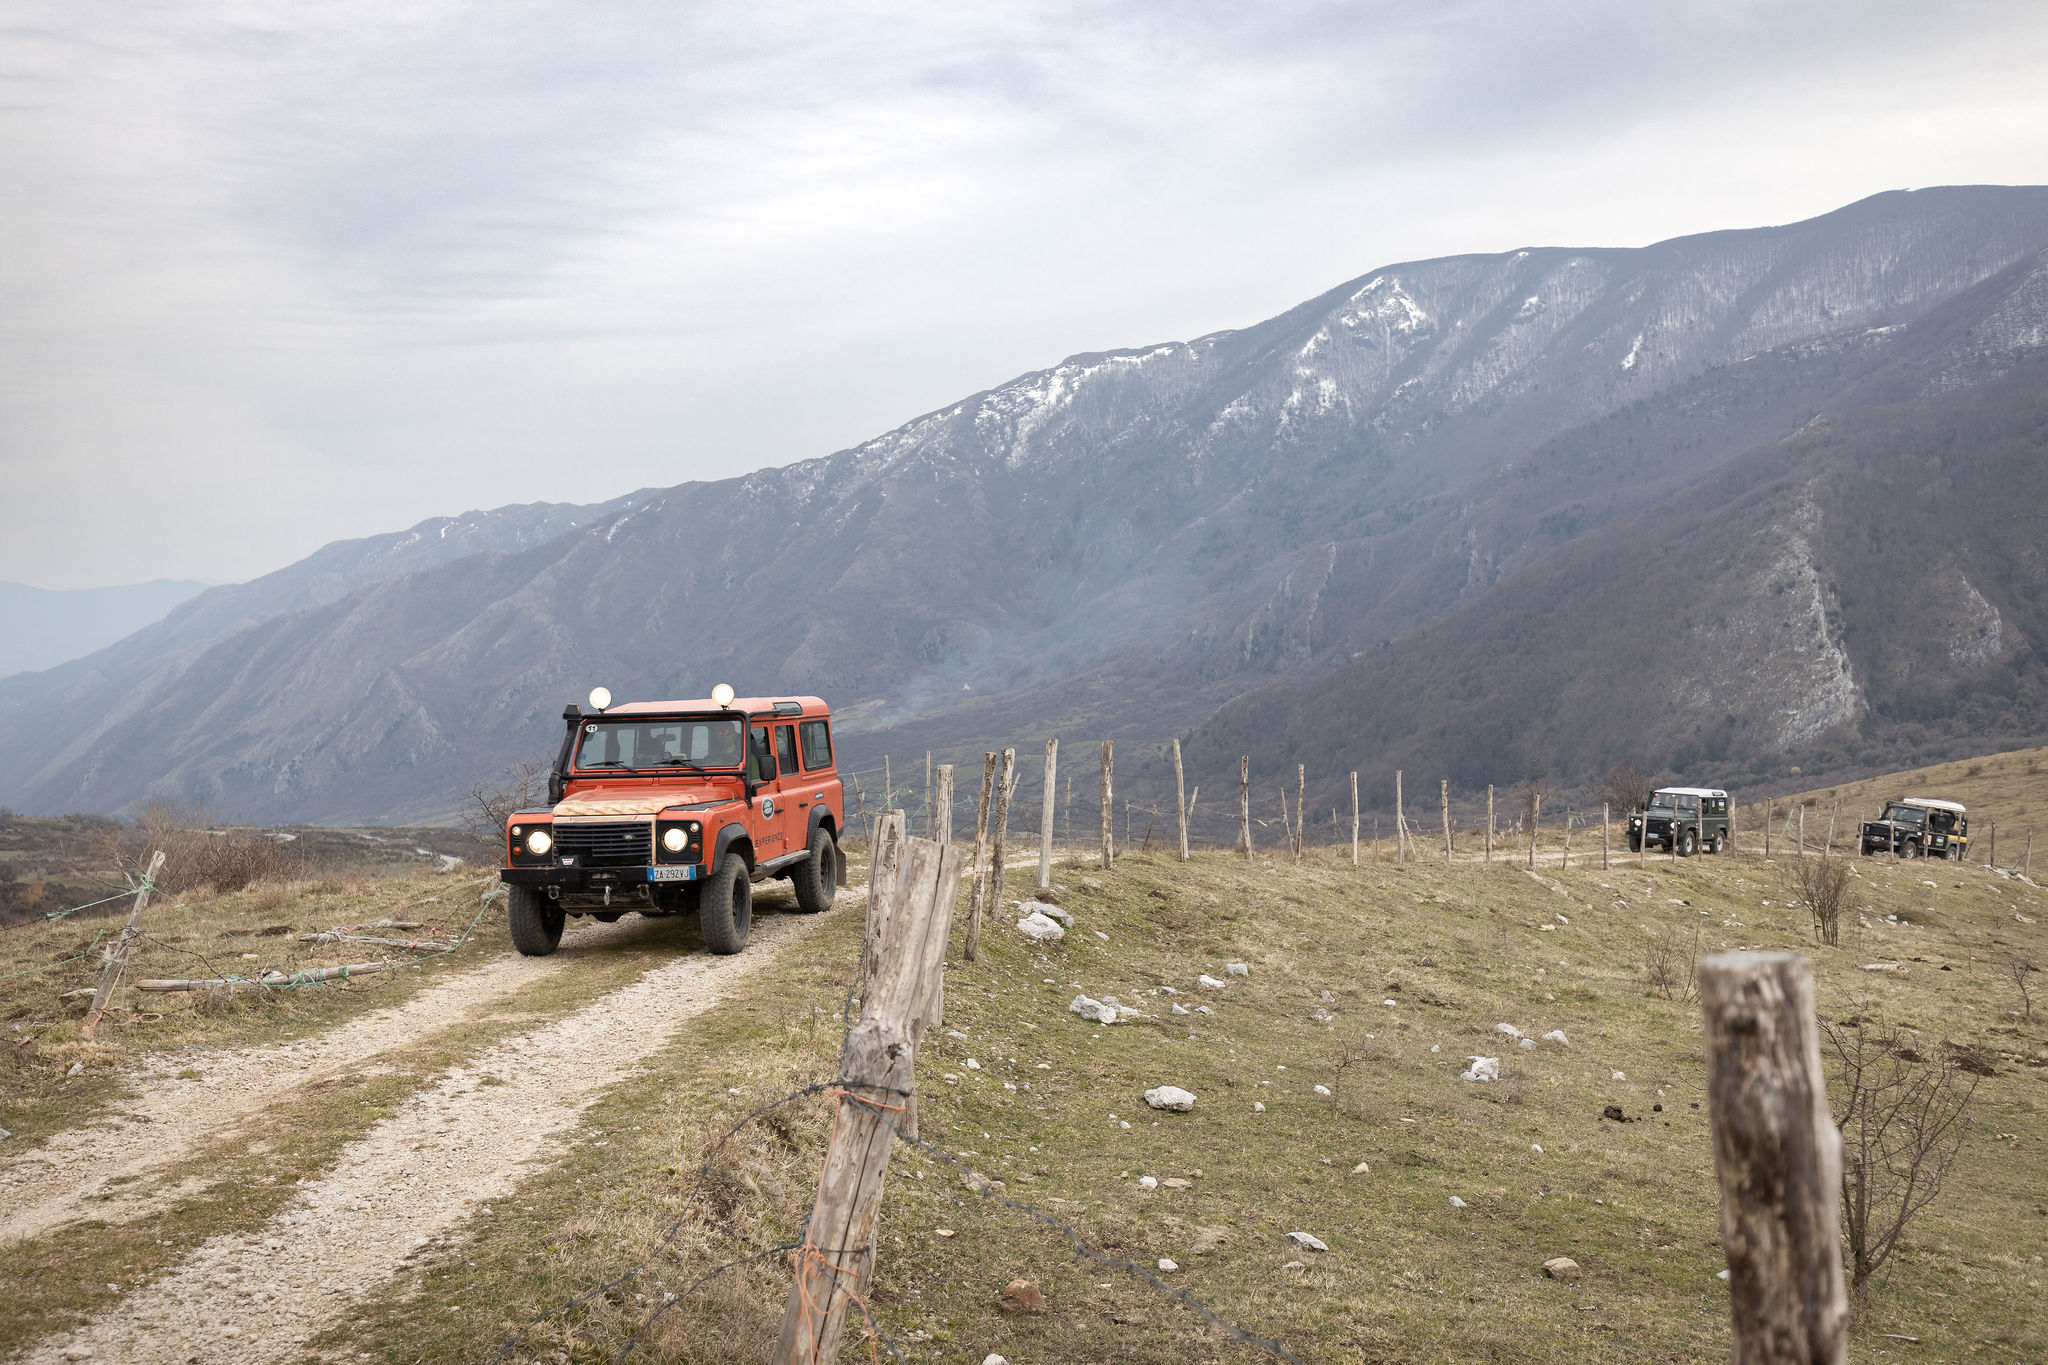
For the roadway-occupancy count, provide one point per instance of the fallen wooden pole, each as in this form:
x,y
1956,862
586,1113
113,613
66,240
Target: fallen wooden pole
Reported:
x,y
117,955
271,980
1779,1159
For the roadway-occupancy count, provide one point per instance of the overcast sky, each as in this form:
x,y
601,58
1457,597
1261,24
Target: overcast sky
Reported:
x,y
275,273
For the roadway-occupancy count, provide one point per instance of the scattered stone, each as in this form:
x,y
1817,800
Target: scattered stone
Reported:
x,y
1179,1008
1556,1035
1322,1090
1323,1016
1094,1010
76,1069
979,1183
1170,1097
1021,1296
1236,969
956,1033
1528,1044
1104,937
973,1065
1561,1268
943,1232
1482,1069
1208,1239
1176,1183
1720,1274
1026,909
1258,1108
994,1360
1203,1009
1038,927
1303,1239
1620,1075
1212,983
1458,1203
1146,1182
1167,1265
5,1134
1362,1168
76,1353
1509,1029
1168,990
1537,1148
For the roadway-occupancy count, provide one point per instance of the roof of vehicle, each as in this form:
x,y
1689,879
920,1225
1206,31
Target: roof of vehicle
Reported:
x,y
1931,804
1690,791
749,706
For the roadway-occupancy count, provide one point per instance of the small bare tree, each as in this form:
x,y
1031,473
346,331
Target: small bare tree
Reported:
x,y
1823,886
521,786
1671,963
1536,784
1903,1118
2021,968
1625,788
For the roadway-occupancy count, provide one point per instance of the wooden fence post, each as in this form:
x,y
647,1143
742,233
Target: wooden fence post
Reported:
x,y
1564,863
1489,822
1180,800
1354,821
888,787
929,812
2027,861
1992,861
1052,765
117,956
1802,831
1770,809
1400,822
1244,803
1444,800
1837,810
999,828
1606,816
1779,1159
1108,802
885,857
1535,815
944,832
876,1082
979,889
1300,808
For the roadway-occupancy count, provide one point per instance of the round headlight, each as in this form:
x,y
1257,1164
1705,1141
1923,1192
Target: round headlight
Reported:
x,y
722,694
540,841
674,840
600,698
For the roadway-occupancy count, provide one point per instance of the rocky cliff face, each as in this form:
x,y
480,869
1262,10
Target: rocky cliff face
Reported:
x,y
1125,539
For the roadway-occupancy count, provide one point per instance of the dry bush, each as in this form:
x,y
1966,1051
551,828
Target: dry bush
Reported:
x,y
1903,1118
521,786
1823,887
199,853
1625,789
2021,969
1670,963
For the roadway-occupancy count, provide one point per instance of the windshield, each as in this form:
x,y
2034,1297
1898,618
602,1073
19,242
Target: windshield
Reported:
x,y
1663,801
704,742
1903,815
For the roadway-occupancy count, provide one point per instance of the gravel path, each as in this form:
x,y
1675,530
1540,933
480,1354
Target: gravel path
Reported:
x,y
463,1140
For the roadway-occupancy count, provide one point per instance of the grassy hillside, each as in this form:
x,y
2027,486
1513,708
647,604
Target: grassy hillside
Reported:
x,y
1376,983
2007,793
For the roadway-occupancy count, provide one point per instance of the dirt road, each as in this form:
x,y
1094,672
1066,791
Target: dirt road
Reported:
x,y
463,1140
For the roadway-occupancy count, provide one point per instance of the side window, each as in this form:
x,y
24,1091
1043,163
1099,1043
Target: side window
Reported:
x,y
785,748
760,757
817,741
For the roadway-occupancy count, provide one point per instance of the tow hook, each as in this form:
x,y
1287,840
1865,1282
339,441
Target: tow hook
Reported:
x,y
607,895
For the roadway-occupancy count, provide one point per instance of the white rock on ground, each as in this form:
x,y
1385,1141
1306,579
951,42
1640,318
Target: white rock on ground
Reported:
x,y
1170,1097
1307,1240
1556,1035
1322,1090
1257,1107
1457,1203
1509,1029
1620,1075
1148,1182
1236,969
1292,1265
1212,983
1362,1168
1482,1069
1203,1009
1179,1008
1038,927
1093,1010
1528,1043
1026,909
1165,1264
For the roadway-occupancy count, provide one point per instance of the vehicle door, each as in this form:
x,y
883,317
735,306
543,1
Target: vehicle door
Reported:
x,y
774,806
1688,819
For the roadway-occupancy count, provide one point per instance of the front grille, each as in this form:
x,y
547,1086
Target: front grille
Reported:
x,y
626,843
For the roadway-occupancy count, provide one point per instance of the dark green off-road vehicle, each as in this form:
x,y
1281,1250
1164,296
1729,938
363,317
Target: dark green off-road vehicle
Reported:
x,y
1684,819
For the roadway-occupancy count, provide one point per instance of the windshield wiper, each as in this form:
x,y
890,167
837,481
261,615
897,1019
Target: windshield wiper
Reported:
x,y
678,761
605,763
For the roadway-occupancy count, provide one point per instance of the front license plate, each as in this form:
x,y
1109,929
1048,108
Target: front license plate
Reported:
x,y
672,874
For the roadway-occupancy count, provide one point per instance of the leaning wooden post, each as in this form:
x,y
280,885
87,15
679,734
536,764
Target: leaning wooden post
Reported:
x,y
944,804
1180,800
117,956
1605,816
1802,832
1779,1159
1244,804
1108,802
1400,821
1052,766
999,828
1489,822
876,1083
1354,819
1300,808
1535,815
1444,800
979,890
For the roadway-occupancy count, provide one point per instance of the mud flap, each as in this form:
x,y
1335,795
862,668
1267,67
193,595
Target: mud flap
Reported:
x,y
841,862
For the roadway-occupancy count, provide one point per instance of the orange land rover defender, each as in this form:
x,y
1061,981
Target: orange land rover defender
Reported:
x,y
673,807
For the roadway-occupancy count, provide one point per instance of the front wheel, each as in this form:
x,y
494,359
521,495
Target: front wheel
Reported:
x,y
1688,844
1913,849
535,921
1635,845
1718,845
816,878
726,912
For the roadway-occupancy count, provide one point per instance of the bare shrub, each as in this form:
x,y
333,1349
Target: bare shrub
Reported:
x,y
1903,1118
2021,969
1823,887
1670,962
1534,787
1625,789
198,852
521,786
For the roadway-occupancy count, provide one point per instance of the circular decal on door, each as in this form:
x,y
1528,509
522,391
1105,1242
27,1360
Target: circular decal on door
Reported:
x,y
767,807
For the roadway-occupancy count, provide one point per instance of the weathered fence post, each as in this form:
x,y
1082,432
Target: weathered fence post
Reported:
x,y
885,856
1444,800
1891,833
117,956
2027,860
1564,863
1244,803
999,828
1180,800
888,788
944,832
1489,822
1354,821
1300,808
1992,861
978,889
1606,816
1052,765
1802,831
876,1082
1400,822
929,812
1535,815
1837,810
1770,809
1108,802
1779,1159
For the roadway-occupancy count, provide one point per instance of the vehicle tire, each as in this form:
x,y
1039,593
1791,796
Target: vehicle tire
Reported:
x,y
1635,845
727,909
1688,844
1912,849
816,878
535,921
1718,845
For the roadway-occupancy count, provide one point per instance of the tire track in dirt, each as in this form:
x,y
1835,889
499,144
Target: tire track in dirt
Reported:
x,y
464,1139
78,1174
